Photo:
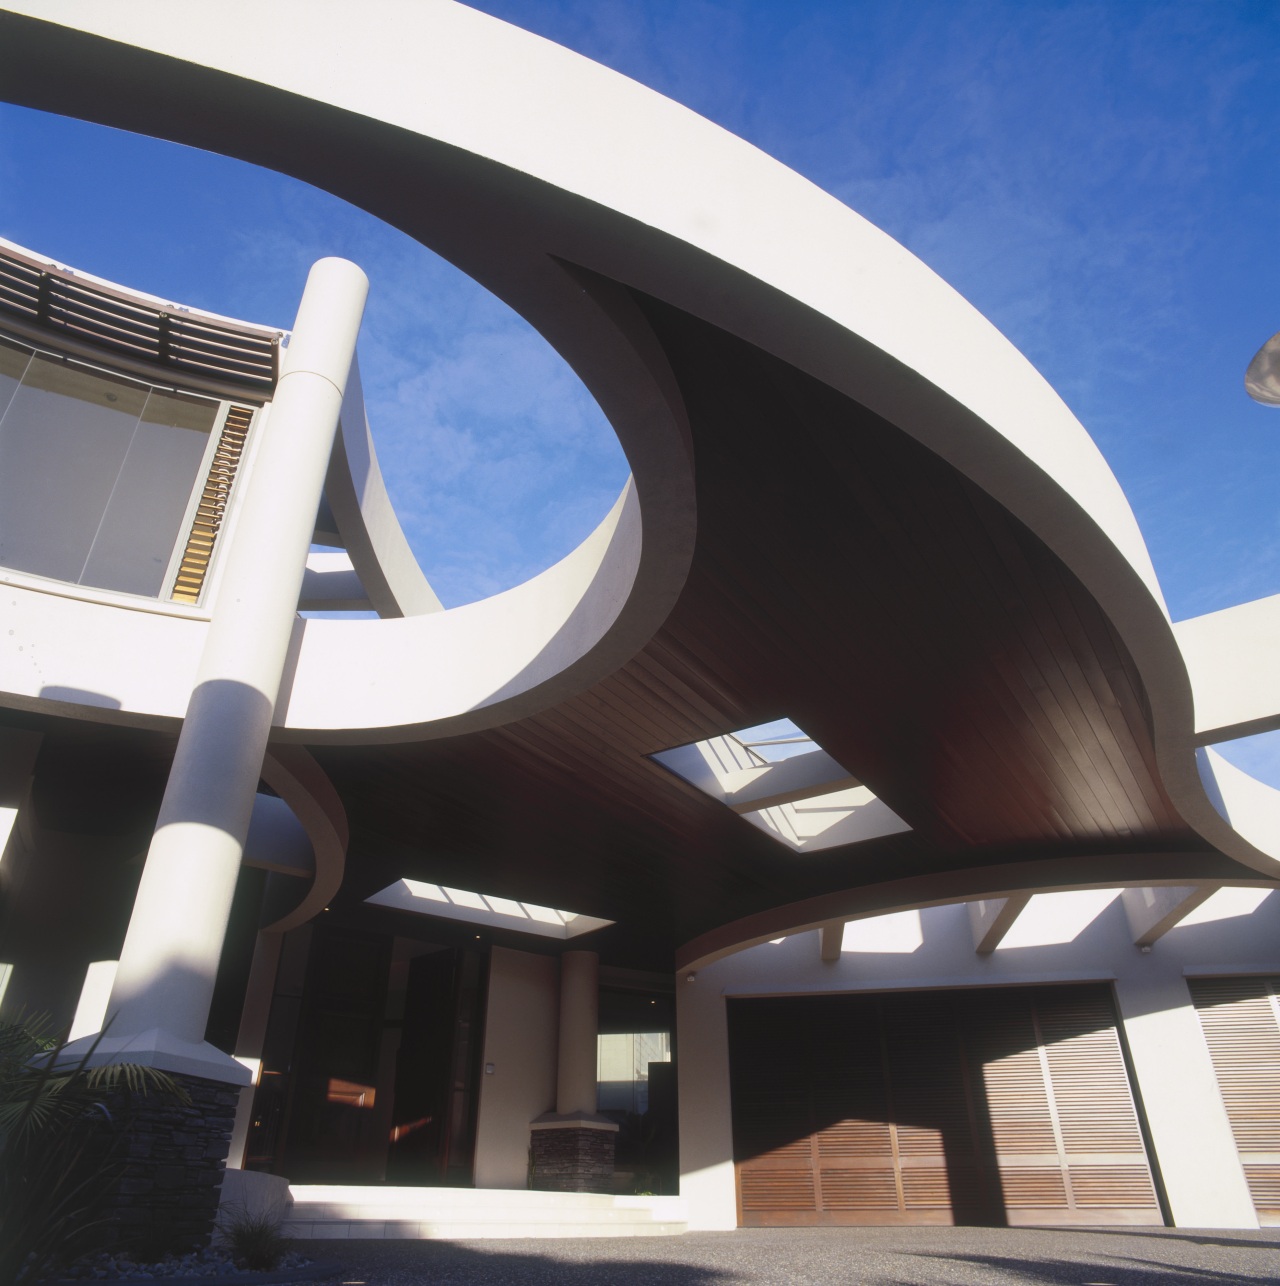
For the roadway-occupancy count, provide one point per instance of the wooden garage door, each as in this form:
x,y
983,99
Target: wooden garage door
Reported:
x,y
1241,1021
994,1106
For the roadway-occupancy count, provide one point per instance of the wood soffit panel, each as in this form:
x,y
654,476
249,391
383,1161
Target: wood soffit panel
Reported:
x,y
851,581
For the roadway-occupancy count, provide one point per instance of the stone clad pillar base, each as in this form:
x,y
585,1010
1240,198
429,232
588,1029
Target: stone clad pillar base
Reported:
x,y
171,1162
573,1153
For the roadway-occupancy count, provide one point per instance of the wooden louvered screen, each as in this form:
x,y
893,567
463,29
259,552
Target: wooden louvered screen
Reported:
x,y
203,348
212,506
995,1106
1241,1022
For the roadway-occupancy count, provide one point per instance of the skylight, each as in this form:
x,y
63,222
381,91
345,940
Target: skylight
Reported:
x,y
782,782
1051,919
898,933
769,743
1226,904
486,909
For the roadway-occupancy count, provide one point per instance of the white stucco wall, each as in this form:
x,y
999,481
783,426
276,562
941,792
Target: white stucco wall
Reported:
x,y
521,1031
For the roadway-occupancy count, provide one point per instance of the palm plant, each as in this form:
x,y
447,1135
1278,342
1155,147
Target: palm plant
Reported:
x,y
59,1142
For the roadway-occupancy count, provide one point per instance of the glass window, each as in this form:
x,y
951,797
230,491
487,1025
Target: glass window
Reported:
x,y
13,362
622,1068
96,471
143,516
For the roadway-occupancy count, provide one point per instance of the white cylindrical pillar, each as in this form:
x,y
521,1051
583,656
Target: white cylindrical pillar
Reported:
x,y
160,1002
579,1027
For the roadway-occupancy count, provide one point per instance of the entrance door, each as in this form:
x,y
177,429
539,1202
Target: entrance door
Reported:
x,y
371,1069
433,1122
995,1106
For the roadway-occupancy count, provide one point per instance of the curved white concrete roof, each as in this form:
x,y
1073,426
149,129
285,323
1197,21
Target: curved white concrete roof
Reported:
x,y
594,171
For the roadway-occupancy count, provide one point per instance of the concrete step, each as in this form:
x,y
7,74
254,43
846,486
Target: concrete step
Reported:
x,y
349,1211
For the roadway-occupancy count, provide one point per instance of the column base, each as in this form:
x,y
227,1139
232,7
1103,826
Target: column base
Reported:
x,y
158,1049
572,1153
169,1166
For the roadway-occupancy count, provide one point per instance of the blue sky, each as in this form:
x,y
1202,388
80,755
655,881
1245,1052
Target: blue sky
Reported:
x,y
1098,178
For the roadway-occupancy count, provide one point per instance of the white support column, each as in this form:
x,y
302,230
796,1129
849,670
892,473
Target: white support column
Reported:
x,y
1152,912
252,1035
91,1011
160,1002
572,1148
579,1027
18,750
707,1181
1194,1147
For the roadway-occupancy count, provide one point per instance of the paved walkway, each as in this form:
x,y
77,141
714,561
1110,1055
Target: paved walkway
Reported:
x,y
825,1257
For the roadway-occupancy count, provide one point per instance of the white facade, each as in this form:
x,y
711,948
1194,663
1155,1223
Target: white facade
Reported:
x,y
692,218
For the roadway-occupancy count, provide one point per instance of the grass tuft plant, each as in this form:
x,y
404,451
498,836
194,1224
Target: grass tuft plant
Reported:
x,y
254,1238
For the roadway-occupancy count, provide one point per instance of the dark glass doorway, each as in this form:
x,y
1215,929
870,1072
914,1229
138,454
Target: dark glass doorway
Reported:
x,y
370,1070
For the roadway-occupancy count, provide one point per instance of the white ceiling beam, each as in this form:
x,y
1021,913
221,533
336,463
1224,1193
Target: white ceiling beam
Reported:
x,y
992,918
832,940
331,583
785,782
1152,912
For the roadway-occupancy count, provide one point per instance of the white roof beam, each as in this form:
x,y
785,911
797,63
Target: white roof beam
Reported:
x,y
366,519
277,841
1152,912
789,780
832,940
331,583
992,918
1230,657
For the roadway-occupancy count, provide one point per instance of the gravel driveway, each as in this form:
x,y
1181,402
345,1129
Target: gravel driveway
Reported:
x,y
825,1256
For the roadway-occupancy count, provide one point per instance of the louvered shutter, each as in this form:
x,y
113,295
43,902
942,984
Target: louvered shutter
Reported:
x,y
1241,1022
774,1127
856,1148
933,1117
1101,1142
1009,1069
1001,1105
206,524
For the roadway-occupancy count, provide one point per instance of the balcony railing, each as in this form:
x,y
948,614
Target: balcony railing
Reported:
x,y
52,300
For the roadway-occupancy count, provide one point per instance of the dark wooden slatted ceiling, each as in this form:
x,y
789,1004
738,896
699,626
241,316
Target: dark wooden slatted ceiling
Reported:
x,y
844,577
848,579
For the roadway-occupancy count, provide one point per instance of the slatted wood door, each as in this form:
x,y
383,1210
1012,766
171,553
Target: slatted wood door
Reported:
x,y
995,1106
1241,1022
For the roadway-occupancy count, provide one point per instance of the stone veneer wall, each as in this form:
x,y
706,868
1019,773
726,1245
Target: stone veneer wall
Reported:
x,y
172,1158
573,1159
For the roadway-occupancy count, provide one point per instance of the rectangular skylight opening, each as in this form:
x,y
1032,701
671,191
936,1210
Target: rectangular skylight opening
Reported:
x,y
1226,904
782,782
1053,919
487,909
770,743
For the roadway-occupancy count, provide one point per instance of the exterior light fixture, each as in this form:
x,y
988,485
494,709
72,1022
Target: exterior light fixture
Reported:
x,y
1262,379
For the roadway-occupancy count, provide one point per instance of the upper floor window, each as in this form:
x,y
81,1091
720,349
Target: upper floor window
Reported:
x,y
99,472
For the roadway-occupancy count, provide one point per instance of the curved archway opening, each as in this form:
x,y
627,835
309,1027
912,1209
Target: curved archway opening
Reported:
x,y
496,457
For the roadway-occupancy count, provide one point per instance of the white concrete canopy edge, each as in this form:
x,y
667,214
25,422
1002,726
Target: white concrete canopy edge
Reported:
x,y
741,232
